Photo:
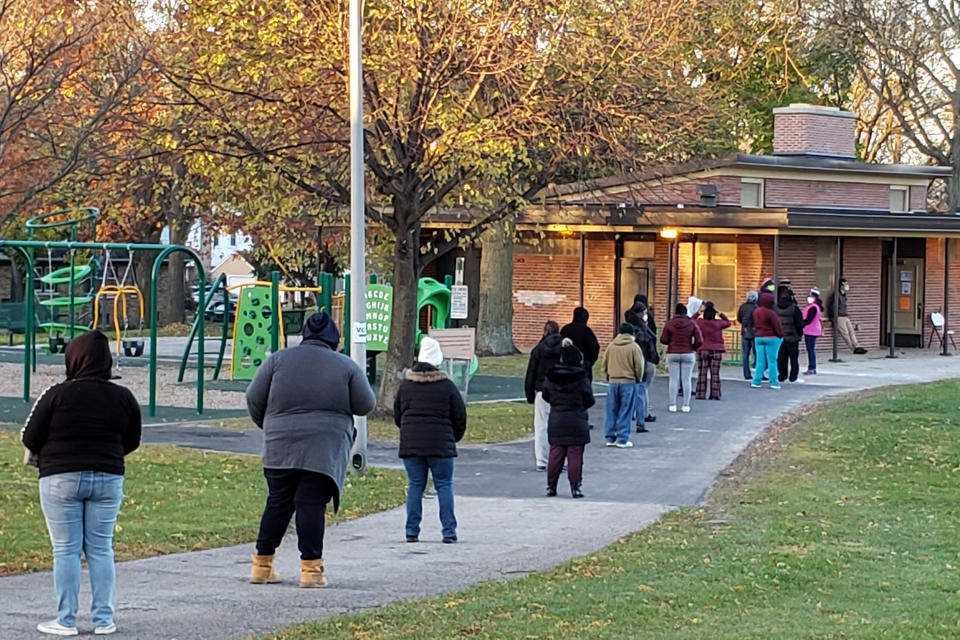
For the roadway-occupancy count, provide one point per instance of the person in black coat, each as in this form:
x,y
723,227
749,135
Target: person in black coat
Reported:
x,y
583,338
647,340
791,319
432,419
543,357
569,394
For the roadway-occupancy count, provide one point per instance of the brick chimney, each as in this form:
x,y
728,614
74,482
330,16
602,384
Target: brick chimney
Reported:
x,y
813,130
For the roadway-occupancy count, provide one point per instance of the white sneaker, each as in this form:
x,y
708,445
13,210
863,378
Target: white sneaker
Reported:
x,y
624,445
54,628
685,409
105,630
672,408
611,444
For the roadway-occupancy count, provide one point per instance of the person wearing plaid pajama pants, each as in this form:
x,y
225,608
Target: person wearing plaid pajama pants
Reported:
x,y
710,353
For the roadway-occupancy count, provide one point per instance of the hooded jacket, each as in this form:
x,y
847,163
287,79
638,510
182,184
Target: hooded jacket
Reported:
x,y
681,335
745,315
86,423
582,335
791,320
569,394
712,332
304,398
766,322
623,360
429,412
543,357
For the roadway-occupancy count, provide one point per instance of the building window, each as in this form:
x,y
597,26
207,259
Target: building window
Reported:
x,y
751,192
717,274
826,264
899,199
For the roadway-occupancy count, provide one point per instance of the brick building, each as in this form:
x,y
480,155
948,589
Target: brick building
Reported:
x,y
739,220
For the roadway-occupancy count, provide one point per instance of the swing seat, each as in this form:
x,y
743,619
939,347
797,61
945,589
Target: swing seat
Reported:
x,y
67,275
133,348
57,344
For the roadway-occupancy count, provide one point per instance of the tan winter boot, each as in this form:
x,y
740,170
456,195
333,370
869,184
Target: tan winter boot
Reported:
x,y
311,574
262,571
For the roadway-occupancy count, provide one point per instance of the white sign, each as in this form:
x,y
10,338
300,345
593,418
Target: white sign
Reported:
x,y
458,302
360,332
456,344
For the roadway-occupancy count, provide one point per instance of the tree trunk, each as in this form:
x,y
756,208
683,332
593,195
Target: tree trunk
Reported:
x,y
174,299
403,328
142,275
495,316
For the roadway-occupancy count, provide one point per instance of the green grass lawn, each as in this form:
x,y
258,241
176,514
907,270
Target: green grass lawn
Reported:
x,y
513,366
176,500
488,422
848,530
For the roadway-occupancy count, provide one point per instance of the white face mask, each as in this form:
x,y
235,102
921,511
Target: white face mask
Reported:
x,y
810,300
644,317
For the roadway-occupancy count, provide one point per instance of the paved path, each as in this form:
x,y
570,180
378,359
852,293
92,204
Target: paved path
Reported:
x,y
506,528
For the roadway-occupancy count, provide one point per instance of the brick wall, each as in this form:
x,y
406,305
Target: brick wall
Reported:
x,y
918,198
781,192
862,265
807,129
933,284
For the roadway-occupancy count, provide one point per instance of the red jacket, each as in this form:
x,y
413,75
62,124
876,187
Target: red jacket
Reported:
x,y
712,331
681,335
766,322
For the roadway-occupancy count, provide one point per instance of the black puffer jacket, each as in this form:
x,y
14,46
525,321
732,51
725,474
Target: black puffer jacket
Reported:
x,y
430,413
791,319
543,358
569,394
647,340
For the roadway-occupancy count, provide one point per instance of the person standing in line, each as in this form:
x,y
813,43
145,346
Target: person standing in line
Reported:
x,y
651,368
710,353
791,321
745,319
543,357
648,345
767,337
583,338
812,329
694,307
623,366
78,433
683,338
651,322
841,323
430,414
569,394
304,398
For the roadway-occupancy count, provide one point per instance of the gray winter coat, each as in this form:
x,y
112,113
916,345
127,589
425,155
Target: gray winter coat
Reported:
x,y
304,398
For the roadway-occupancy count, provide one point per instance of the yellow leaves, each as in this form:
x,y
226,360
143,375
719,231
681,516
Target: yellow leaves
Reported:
x,y
452,604
644,587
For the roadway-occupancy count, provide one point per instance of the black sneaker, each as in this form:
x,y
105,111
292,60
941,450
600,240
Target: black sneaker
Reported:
x,y
859,351
551,492
449,539
642,430
411,538
650,419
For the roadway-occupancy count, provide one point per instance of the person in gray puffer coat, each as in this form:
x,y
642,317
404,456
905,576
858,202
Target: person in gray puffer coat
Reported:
x,y
304,398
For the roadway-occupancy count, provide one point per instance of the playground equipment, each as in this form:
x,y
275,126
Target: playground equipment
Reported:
x,y
131,347
74,274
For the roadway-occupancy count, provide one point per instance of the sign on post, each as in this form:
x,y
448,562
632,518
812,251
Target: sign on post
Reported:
x,y
458,346
458,301
379,309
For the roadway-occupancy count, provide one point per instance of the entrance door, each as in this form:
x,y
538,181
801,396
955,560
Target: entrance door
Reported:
x,y
637,273
908,303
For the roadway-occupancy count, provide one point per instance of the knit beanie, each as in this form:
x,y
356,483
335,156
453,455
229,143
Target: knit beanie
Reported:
x,y
320,326
626,327
569,354
430,351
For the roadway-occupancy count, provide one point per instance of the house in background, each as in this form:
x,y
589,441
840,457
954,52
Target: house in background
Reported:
x,y
216,248
236,269
717,228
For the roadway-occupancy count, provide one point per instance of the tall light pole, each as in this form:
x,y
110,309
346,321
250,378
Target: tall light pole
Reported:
x,y
358,273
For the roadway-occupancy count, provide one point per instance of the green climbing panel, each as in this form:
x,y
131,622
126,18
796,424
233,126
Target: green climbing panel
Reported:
x,y
252,332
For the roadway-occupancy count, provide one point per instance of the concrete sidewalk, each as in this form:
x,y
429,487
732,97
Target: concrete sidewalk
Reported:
x,y
506,527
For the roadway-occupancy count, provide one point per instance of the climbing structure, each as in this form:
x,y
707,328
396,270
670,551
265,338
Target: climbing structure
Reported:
x,y
251,331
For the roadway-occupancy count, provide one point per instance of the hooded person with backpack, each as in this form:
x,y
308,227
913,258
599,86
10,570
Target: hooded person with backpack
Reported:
x,y
543,357
570,395
768,336
745,319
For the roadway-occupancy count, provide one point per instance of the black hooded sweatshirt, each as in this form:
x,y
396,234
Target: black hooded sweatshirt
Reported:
x,y
543,357
569,394
583,336
86,423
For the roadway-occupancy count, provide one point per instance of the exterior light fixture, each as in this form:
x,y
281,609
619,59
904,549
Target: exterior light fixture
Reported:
x,y
668,234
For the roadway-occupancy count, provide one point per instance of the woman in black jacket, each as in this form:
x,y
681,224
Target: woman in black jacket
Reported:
x,y
432,419
79,432
569,394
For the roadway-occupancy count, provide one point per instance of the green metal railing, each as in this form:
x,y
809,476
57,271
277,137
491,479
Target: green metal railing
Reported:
x,y
26,249
220,284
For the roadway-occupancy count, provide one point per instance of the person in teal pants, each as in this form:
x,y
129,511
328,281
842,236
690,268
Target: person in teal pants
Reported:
x,y
768,334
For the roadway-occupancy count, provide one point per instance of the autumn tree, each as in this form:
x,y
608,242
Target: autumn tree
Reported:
x,y
908,61
65,69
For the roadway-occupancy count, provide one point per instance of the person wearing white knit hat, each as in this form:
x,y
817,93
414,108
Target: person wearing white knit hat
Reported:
x,y
432,419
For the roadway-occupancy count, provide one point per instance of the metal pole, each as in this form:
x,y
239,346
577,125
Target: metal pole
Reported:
x,y
836,300
776,265
946,295
676,271
891,307
669,310
583,246
358,311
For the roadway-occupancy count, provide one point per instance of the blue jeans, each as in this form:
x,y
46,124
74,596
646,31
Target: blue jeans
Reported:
x,y
621,403
811,342
767,351
746,346
442,471
81,511
640,412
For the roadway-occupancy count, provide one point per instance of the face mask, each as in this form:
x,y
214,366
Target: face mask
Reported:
x,y
810,300
644,317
